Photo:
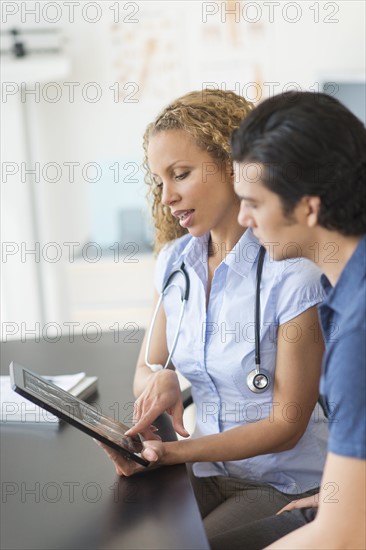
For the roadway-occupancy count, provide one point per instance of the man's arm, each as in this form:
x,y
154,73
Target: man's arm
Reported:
x,y
341,519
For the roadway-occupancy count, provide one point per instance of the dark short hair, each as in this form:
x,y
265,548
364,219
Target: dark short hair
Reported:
x,y
309,144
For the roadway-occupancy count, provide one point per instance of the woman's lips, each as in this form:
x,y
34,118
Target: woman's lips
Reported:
x,y
185,217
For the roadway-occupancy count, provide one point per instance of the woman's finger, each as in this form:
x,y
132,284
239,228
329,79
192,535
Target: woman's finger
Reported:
x,y
144,422
124,466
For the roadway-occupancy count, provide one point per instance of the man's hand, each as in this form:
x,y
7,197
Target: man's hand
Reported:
x,y
307,502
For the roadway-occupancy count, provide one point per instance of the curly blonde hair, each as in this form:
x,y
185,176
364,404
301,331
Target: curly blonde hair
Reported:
x,y
209,116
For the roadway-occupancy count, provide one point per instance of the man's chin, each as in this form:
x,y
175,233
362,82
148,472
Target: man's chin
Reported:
x,y
275,255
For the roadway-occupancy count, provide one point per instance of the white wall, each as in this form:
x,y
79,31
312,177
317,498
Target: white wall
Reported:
x,y
168,50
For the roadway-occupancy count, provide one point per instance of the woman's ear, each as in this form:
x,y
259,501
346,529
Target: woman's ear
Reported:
x,y
313,208
229,171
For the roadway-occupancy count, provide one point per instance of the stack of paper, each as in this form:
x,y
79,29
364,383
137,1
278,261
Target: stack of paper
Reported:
x,y
15,408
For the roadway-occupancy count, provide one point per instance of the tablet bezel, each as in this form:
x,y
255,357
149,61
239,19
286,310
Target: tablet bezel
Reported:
x,y
18,385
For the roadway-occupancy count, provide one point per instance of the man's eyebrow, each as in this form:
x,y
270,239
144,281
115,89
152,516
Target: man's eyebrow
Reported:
x,y
247,199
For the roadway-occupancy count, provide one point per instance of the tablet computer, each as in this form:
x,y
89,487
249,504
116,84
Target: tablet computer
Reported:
x,y
76,412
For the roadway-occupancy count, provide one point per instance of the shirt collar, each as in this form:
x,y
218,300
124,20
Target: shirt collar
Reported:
x,y
351,278
194,251
242,257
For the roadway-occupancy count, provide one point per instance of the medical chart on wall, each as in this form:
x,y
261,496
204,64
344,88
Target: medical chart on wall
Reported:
x,y
148,59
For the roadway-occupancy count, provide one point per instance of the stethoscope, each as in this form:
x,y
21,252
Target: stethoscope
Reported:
x,y
258,380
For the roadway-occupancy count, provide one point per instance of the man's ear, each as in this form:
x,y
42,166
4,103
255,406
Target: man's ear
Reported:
x,y
313,208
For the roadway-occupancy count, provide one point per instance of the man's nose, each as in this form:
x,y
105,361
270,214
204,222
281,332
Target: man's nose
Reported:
x,y
245,218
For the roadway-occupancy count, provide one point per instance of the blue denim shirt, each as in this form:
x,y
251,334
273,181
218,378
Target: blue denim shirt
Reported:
x,y
343,385
215,350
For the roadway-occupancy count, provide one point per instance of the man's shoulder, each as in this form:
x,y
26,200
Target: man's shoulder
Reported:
x,y
352,317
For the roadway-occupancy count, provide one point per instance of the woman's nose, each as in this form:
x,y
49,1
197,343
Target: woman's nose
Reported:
x,y
169,195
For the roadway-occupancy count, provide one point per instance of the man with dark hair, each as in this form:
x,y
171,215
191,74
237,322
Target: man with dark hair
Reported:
x,y
300,165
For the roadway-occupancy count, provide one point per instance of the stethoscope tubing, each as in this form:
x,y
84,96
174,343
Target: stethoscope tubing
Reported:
x,y
253,376
257,308
184,298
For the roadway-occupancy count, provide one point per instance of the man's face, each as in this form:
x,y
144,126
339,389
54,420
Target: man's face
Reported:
x,y
262,210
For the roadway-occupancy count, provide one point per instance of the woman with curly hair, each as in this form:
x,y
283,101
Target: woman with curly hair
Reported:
x,y
251,452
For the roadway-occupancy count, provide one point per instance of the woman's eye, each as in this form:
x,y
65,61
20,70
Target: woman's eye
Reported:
x,y
181,176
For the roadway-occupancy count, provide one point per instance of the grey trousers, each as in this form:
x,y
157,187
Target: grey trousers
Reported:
x,y
229,505
259,534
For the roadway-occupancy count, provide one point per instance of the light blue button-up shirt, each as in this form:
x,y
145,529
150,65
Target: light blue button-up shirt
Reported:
x,y
215,350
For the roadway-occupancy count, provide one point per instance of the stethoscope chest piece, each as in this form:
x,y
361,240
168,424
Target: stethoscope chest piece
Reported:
x,y
258,382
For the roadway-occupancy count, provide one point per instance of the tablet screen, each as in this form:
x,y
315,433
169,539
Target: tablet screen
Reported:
x,y
73,410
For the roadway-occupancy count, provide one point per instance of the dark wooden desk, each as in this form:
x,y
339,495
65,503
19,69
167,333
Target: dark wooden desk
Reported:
x,y
59,490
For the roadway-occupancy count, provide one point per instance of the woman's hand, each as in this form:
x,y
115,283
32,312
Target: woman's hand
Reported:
x,y
307,502
153,452
162,394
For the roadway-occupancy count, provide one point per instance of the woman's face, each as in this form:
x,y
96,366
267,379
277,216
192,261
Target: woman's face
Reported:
x,y
197,188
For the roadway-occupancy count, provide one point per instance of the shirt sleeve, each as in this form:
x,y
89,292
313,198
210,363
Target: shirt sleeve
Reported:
x,y
161,268
167,257
298,289
344,387
165,260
